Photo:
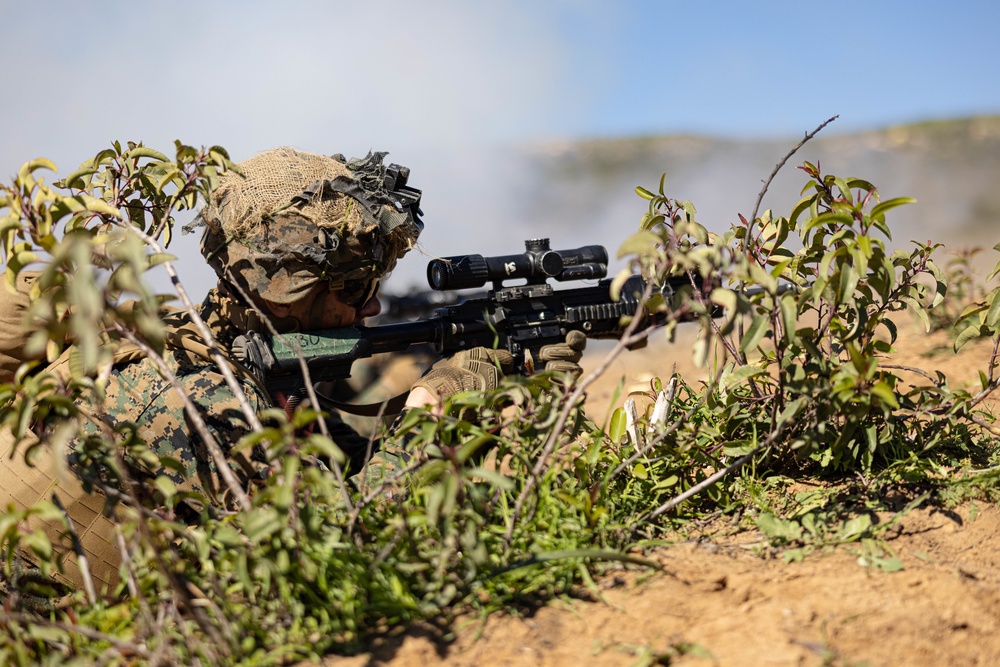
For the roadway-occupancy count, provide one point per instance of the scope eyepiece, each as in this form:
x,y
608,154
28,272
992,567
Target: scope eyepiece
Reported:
x,y
535,265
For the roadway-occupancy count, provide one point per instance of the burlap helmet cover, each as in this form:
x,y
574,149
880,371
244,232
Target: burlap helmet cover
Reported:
x,y
291,219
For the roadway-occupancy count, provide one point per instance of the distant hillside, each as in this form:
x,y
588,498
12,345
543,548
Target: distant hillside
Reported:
x,y
952,167
584,192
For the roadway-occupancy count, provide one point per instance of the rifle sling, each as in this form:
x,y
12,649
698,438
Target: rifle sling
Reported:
x,y
392,406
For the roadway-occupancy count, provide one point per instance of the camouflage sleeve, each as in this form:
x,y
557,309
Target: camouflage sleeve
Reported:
x,y
136,393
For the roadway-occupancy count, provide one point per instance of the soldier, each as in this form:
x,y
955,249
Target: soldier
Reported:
x,y
299,242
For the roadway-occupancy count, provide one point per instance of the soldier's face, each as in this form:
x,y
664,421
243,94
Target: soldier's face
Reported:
x,y
322,308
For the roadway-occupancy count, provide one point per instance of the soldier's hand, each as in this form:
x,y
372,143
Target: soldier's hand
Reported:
x,y
478,369
565,356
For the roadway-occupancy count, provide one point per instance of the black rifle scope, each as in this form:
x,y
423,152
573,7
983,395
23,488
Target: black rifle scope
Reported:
x,y
537,264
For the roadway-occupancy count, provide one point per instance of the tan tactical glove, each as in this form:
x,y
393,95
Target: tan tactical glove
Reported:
x,y
478,369
563,356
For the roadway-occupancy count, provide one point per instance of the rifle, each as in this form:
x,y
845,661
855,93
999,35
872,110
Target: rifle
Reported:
x,y
521,318
419,304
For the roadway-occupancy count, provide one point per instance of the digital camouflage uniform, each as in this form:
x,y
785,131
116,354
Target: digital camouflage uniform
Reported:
x,y
288,221
138,394
285,222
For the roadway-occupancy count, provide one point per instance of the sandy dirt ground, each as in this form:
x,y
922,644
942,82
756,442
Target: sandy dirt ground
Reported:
x,y
728,601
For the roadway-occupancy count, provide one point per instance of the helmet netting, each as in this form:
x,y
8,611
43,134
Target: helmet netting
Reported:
x,y
259,219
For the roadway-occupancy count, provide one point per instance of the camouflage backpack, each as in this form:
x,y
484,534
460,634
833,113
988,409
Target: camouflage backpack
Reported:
x,y
25,483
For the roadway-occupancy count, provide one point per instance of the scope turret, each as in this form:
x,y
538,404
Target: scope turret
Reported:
x,y
536,264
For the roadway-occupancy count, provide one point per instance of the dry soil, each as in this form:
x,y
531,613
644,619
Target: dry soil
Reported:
x,y
727,602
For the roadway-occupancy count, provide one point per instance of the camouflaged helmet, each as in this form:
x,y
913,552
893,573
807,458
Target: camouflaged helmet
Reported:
x,y
291,219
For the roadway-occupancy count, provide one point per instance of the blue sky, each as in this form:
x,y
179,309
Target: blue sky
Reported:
x,y
780,68
449,87
415,75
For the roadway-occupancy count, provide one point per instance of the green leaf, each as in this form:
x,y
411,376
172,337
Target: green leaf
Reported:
x,y
849,278
779,529
790,410
828,257
803,205
157,258
755,332
862,184
142,151
739,376
855,528
616,431
493,477
890,564
762,277
644,193
649,221
973,309
828,218
262,522
993,316
24,173
972,332
789,315
615,289
640,243
893,331
738,447
726,298
880,209
165,486
167,178
78,175
228,536
885,394
699,352
845,189
96,205
918,310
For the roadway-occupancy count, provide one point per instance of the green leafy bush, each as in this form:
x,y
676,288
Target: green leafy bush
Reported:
x,y
529,500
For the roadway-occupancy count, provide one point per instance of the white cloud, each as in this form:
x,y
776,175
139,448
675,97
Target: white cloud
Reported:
x,y
441,85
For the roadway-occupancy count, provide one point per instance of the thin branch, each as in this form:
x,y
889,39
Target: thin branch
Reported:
x,y
993,358
986,425
704,484
777,167
160,550
370,447
81,556
919,371
220,360
985,393
739,354
133,586
218,456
